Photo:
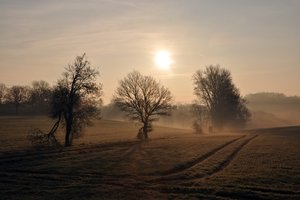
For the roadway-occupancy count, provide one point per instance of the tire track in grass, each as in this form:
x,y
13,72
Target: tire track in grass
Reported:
x,y
31,154
131,151
236,193
127,154
283,191
64,180
178,185
48,174
13,158
185,166
208,172
228,160
11,167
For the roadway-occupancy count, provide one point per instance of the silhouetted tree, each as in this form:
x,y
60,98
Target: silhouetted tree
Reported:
x,y
17,95
215,89
3,90
76,100
40,94
200,113
143,99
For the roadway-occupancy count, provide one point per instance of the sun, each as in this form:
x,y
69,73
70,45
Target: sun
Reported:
x,y
163,59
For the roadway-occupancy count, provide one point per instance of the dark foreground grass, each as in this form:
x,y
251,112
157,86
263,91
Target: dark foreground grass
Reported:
x,y
174,164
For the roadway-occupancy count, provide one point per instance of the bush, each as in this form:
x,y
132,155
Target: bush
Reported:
x,y
39,139
197,127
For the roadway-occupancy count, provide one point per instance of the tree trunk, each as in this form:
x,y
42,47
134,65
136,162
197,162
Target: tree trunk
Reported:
x,y
51,134
145,130
146,135
140,134
69,136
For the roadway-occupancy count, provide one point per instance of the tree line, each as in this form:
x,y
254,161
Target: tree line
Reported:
x,y
75,100
35,97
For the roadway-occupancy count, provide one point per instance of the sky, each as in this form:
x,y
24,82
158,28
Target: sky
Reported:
x,y
257,40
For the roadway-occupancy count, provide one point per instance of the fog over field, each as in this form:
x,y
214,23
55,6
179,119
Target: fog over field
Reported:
x,y
267,110
108,163
274,109
149,99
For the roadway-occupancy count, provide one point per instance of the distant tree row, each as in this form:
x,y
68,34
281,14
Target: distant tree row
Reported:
x,y
273,98
76,100
37,96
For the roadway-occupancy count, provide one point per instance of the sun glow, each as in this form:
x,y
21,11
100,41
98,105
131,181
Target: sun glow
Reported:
x,y
163,60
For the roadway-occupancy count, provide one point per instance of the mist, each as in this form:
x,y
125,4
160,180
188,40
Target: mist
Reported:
x,y
273,110
267,110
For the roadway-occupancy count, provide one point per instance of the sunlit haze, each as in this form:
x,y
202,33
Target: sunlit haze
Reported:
x,y
163,59
258,41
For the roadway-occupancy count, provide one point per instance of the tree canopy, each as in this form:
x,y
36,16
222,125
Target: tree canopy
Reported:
x,y
17,95
77,97
143,99
214,89
76,100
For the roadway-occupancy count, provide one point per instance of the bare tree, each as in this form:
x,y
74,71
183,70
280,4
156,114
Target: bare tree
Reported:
x,y
17,95
143,99
76,101
40,95
3,90
215,90
77,98
201,117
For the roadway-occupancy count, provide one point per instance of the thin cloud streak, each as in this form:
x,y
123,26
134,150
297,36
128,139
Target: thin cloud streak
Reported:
x,y
39,38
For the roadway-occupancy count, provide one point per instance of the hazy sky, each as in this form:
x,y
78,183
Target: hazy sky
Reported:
x,y
257,40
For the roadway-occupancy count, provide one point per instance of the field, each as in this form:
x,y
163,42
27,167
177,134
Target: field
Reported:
x,y
109,163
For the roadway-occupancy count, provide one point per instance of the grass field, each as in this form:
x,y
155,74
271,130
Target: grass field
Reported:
x,y
14,131
109,163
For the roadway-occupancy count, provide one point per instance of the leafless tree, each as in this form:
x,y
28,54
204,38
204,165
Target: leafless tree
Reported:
x,y
3,90
40,96
76,101
17,95
201,117
40,93
143,99
215,89
77,97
